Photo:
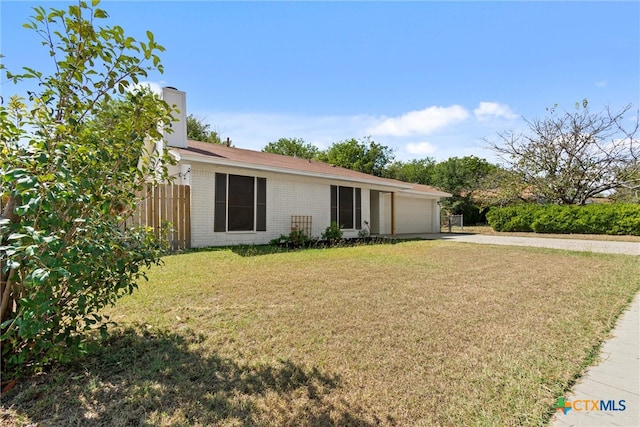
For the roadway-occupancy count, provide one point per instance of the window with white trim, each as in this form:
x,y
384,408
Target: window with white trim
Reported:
x,y
346,206
240,203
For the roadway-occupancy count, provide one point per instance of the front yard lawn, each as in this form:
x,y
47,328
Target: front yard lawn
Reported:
x,y
416,333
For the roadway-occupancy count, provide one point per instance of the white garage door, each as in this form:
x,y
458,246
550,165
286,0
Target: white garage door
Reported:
x,y
413,215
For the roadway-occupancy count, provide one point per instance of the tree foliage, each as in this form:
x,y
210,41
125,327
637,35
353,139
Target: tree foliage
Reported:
x,y
361,155
629,190
462,177
294,147
74,155
501,187
198,130
570,156
418,171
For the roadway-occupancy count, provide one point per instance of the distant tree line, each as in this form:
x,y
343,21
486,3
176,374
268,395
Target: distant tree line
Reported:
x,y
568,157
462,177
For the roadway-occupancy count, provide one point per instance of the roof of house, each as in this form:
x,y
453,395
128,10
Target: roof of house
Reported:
x,y
221,154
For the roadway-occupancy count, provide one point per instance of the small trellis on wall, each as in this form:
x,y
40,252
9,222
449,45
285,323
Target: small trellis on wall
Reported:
x,y
302,223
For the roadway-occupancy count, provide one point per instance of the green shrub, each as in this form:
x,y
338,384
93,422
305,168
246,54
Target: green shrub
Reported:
x,y
513,218
72,164
295,238
617,218
298,237
332,232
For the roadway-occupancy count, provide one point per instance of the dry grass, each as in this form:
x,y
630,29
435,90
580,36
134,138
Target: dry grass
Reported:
x,y
417,333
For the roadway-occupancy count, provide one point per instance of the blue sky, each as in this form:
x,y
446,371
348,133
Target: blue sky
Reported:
x,y
428,79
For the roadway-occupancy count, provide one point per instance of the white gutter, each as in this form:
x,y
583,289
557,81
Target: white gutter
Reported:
x,y
423,193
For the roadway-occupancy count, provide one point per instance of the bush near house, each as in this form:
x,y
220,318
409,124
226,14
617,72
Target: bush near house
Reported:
x,y
333,232
295,239
73,160
617,218
331,237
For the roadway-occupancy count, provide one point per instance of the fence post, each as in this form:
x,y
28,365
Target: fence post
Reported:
x,y
449,222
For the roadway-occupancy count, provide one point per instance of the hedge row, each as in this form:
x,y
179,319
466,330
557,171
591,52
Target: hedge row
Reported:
x,y
616,218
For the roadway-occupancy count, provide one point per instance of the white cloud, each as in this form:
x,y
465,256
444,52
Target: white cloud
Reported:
x,y
421,148
255,130
422,122
156,87
487,110
602,83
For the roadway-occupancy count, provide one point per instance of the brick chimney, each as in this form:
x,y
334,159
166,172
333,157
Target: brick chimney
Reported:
x,y
174,97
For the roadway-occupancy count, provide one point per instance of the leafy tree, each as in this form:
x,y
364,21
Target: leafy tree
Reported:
x,y
501,187
199,131
419,171
74,156
461,177
294,147
570,156
361,155
629,190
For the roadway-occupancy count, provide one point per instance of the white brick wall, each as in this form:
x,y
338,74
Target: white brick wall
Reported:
x,y
202,203
287,195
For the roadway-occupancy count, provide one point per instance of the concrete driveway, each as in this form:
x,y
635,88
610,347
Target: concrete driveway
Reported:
x,y
601,246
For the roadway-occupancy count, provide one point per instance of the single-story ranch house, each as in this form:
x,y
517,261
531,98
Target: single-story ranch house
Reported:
x,y
243,196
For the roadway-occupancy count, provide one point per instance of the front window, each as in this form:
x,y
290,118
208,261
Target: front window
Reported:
x,y
346,206
240,203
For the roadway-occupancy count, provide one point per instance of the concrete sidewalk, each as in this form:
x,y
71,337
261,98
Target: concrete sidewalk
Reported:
x,y
615,378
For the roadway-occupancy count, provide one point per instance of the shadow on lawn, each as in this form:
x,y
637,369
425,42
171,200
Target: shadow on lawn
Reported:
x,y
250,250
255,250
151,378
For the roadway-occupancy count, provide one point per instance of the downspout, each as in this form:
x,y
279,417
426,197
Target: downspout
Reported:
x,y
393,213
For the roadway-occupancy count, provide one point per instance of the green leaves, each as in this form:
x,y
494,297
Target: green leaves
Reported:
x,y
199,131
617,218
99,13
71,166
295,147
37,277
361,155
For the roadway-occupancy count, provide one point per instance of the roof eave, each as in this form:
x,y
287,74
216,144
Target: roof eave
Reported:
x,y
435,193
186,156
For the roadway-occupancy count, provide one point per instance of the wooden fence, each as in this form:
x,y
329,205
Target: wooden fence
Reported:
x,y
167,207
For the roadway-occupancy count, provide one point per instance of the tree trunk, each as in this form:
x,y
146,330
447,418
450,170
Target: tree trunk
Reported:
x,y
8,289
